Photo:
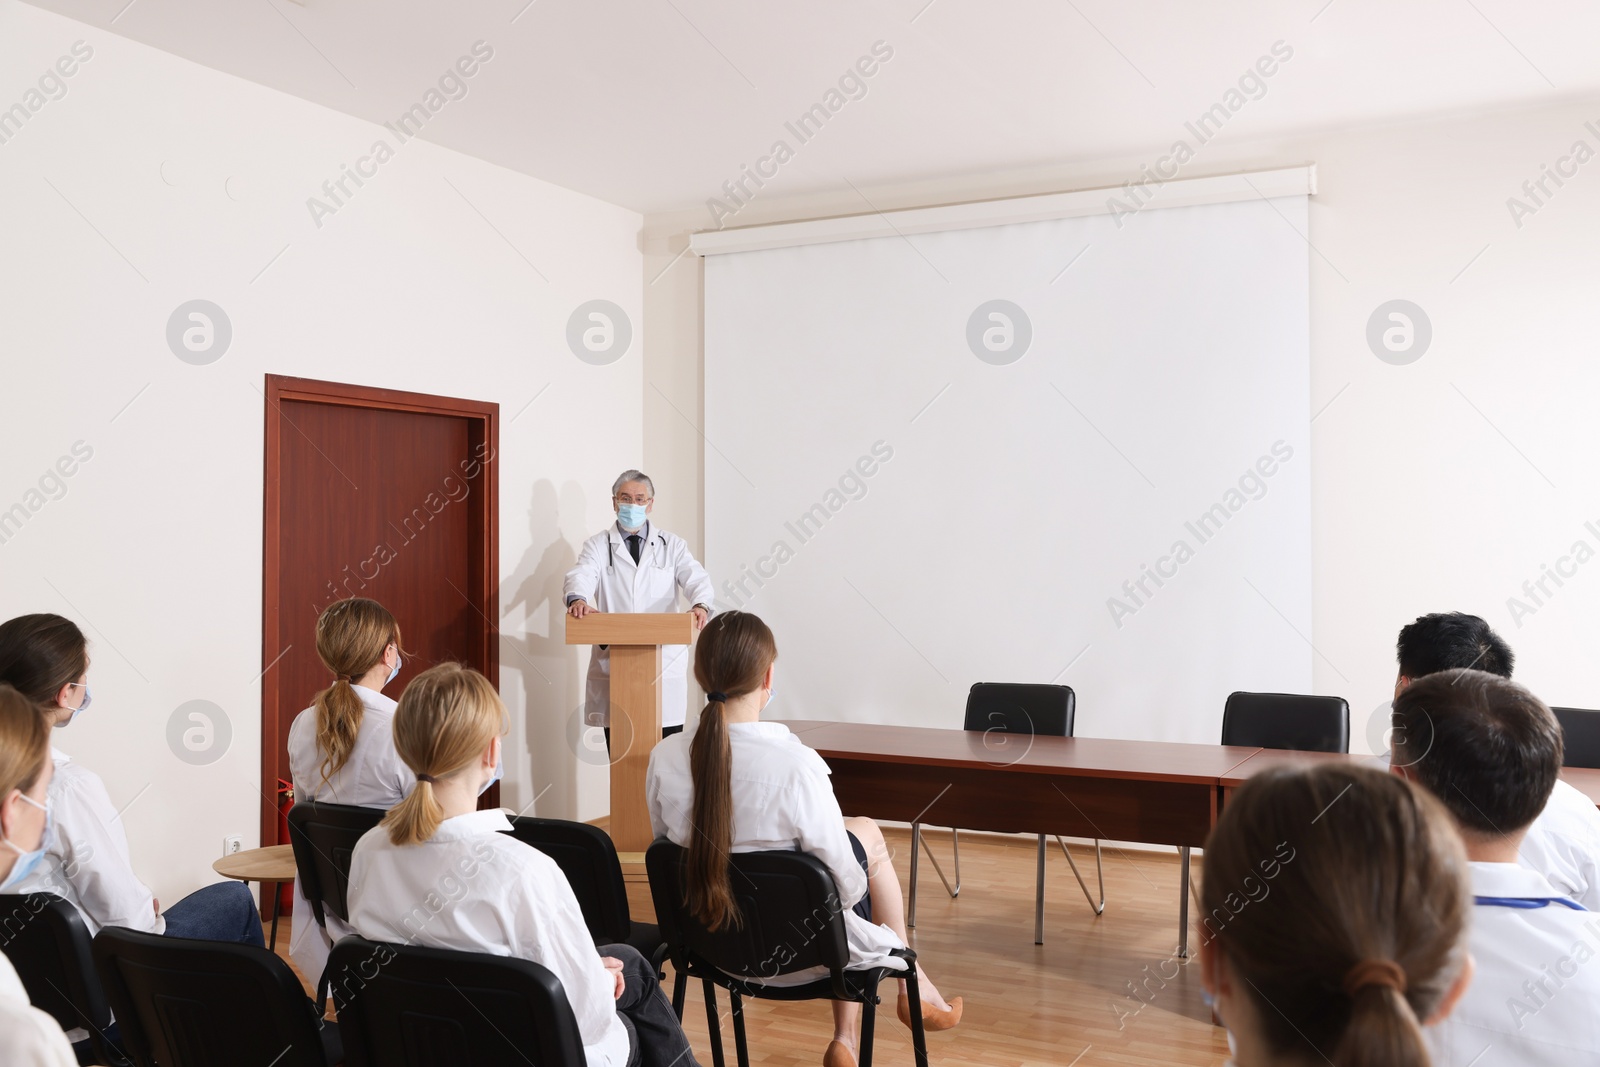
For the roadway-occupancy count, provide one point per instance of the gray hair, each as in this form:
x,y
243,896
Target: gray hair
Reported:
x,y
633,476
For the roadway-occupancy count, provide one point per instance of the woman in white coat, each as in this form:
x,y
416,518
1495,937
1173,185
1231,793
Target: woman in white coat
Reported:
x,y
46,658
440,874
632,565
28,1037
743,785
341,749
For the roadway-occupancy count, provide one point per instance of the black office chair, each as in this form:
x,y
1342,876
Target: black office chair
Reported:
x,y
1581,729
588,857
1287,721
324,837
186,1003
44,938
791,921
1021,709
404,1006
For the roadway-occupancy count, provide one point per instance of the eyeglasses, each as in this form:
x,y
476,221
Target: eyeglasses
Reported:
x,y
624,498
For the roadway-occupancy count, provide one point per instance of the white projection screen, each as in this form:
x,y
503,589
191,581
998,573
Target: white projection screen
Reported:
x,y
1124,509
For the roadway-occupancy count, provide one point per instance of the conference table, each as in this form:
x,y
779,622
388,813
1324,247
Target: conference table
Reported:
x,y
1154,792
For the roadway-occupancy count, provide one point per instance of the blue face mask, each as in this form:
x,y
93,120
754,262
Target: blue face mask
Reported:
x,y
396,671
27,861
88,698
631,516
499,769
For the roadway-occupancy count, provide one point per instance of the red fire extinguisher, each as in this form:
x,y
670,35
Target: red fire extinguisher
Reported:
x,y
285,802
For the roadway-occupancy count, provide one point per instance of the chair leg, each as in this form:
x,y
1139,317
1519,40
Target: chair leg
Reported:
x,y
869,1012
713,1024
955,845
1038,900
911,908
1099,871
739,1047
919,1037
680,987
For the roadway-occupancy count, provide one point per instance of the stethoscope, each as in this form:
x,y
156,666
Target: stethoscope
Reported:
x,y
661,551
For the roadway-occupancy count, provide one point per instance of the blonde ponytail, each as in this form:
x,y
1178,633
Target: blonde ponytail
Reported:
x,y
352,637
447,716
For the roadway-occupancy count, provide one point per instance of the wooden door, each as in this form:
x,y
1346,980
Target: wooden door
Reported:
x,y
382,494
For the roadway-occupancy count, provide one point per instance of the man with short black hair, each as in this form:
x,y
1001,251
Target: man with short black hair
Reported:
x,y
1491,752
1563,844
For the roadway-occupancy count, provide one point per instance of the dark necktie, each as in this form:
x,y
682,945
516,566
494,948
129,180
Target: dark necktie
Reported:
x,y
634,543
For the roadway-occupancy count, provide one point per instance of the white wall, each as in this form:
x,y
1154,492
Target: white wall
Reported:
x,y
1439,485
153,181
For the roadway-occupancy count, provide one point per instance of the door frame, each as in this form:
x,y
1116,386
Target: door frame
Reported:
x,y
484,428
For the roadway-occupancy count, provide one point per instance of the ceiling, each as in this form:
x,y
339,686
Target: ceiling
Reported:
x,y
654,104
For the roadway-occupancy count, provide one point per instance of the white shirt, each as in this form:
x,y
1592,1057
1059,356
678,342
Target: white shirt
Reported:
x,y
373,777
607,577
782,799
1533,1000
28,1037
1563,844
473,889
87,864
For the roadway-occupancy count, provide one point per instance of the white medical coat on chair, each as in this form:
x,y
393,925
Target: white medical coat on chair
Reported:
x,y
610,581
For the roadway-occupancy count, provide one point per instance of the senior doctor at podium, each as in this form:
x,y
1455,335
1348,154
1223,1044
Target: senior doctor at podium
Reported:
x,y
632,565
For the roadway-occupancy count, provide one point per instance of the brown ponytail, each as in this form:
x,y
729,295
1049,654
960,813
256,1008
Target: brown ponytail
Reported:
x,y
730,660
41,653
352,636
447,716
1340,896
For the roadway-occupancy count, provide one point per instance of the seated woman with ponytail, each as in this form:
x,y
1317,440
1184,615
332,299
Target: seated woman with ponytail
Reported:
x,y
46,658
341,750
28,1037
441,874
1334,916
742,785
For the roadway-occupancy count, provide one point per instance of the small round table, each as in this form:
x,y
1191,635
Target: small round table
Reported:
x,y
273,864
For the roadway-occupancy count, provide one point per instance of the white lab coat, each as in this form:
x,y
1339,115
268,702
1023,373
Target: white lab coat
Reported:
x,y
88,865
611,581
1532,999
373,777
1563,844
28,1037
473,888
782,799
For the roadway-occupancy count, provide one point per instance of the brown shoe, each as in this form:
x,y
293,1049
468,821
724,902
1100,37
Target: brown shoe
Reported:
x,y
838,1055
932,1019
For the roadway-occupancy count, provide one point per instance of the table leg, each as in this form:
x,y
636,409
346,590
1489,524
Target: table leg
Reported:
x,y
277,905
1183,903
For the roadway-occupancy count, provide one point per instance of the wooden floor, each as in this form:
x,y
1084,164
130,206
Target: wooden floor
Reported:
x,y
1099,991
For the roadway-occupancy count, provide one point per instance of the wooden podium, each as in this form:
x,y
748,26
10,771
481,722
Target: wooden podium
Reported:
x,y
635,642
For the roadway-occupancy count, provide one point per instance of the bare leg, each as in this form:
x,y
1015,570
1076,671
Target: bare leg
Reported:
x,y
888,905
845,1014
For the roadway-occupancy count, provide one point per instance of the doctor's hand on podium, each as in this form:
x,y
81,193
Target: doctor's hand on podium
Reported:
x,y
579,608
701,615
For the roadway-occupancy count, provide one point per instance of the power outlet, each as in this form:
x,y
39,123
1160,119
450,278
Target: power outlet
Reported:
x,y
232,843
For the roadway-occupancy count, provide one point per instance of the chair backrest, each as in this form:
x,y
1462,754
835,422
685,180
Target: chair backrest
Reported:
x,y
188,1003
1581,728
791,916
1021,708
1288,721
404,1006
324,836
588,857
48,944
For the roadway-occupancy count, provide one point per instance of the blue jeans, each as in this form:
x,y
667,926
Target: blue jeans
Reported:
x,y
225,911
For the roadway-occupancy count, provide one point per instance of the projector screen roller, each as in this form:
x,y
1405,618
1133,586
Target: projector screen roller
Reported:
x,y
1068,451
